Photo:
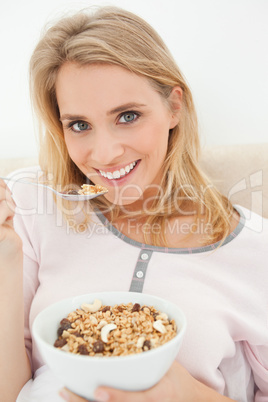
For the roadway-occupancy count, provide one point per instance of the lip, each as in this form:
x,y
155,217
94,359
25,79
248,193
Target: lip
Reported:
x,y
118,167
120,181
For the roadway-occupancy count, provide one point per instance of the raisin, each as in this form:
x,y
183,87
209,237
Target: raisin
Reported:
x,y
142,309
64,321
98,347
64,325
74,192
136,307
82,349
77,334
59,343
106,308
146,345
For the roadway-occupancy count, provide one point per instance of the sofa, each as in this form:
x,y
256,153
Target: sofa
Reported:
x,y
238,171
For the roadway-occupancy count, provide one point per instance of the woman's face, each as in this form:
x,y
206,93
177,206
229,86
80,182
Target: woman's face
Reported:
x,y
116,128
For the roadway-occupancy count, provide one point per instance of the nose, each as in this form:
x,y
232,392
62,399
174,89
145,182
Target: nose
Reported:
x,y
105,148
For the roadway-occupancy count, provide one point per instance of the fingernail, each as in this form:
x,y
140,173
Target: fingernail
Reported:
x,y
64,394
101,395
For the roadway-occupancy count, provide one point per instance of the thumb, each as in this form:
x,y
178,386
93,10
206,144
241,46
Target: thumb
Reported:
x,y
69,396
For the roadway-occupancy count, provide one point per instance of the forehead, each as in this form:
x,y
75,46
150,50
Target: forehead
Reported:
x,y
107,85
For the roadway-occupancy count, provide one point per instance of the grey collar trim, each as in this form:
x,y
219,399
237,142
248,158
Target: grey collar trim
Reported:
x,y
188,250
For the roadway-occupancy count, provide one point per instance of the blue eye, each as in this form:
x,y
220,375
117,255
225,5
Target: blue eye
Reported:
x,y
80,126
128,117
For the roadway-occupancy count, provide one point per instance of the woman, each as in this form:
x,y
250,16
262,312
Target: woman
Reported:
x,y
115,110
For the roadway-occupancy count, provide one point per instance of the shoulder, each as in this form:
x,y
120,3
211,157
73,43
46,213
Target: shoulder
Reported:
x,y
253,228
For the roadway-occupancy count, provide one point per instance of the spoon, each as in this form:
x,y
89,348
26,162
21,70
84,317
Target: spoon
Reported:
x,y
69,197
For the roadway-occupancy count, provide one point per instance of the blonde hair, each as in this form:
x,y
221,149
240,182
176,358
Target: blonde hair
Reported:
x,y
118,37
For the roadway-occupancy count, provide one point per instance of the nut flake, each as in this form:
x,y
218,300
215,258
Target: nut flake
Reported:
x,y
106,330
93,320
91,308
101,324
158,325
119,330
140,342
66,348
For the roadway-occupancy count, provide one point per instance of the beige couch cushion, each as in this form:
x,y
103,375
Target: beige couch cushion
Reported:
x,y
9,165
239,171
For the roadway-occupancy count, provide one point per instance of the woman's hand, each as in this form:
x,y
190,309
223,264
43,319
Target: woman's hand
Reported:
x,y
176,386
10,243
12,349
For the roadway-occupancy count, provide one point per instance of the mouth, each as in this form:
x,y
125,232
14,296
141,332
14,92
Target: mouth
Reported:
x,y
119,173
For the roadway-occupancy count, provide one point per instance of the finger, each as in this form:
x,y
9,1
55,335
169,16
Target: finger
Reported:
x,y
6,195
4,186
69,396
7,211
5,192
8,203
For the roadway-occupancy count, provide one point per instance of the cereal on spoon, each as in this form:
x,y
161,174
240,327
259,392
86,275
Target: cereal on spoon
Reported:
x,y
92,189
87,189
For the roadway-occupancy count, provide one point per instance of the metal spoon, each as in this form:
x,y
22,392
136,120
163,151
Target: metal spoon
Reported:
x,y
69,197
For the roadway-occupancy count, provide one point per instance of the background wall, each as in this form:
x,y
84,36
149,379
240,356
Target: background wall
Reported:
x,y
220,45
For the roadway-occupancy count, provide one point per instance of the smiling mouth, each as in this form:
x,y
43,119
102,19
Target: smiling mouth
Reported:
x,y
118,174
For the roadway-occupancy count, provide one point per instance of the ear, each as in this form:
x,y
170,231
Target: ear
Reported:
x,y
175,101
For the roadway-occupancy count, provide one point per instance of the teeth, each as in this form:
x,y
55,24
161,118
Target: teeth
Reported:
x,y
118,173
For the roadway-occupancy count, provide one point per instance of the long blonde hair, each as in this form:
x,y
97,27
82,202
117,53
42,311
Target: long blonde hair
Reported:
x,y
118,37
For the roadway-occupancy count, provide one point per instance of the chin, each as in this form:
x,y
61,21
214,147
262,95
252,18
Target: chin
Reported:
x,y
121,200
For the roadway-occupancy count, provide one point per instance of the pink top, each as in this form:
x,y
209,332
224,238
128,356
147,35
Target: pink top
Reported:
x,y
223,292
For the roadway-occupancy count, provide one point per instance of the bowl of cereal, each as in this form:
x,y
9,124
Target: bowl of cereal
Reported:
x,y
125,340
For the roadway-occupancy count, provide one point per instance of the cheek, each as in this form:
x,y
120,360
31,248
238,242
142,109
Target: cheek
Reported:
x,y
156,140
76,152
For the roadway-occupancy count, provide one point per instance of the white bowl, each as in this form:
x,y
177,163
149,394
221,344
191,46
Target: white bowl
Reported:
x,y
83,374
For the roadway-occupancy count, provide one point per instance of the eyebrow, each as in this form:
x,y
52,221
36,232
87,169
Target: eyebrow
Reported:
x,y
124,107
118,109
72,117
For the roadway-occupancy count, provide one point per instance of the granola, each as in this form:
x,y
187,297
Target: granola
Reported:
x,y
87,189
90,189
118,330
